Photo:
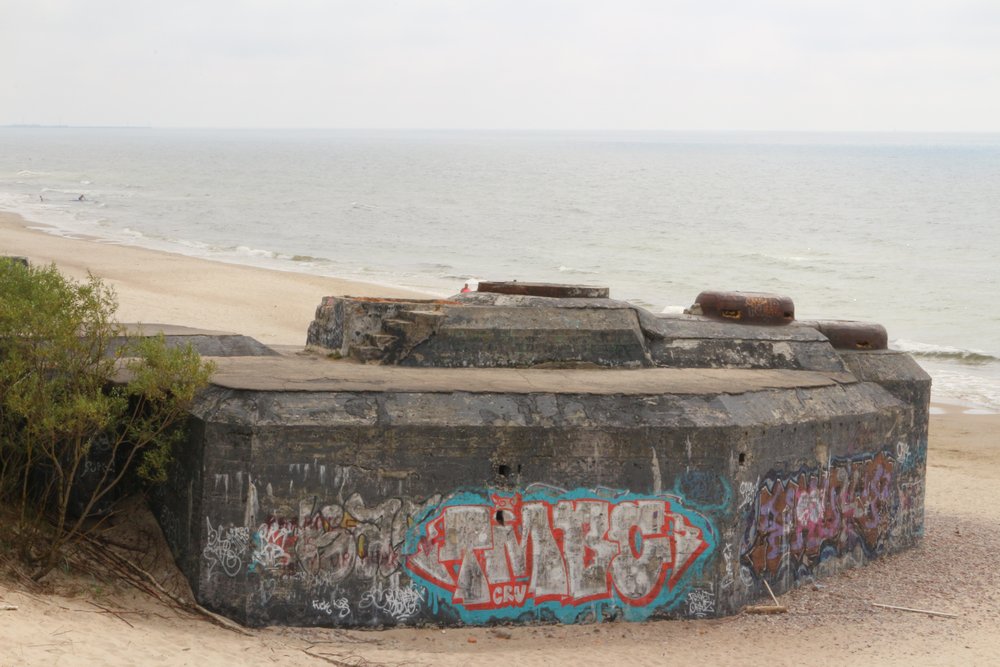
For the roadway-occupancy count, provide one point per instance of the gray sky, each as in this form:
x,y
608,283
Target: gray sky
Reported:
x,y
549,64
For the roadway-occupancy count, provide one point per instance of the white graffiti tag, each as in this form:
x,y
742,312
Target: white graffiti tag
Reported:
x,y
902,451
727,575
748,490
225,548
398,602
340,606
701,603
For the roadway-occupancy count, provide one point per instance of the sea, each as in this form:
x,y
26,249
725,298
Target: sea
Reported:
x,y
897,228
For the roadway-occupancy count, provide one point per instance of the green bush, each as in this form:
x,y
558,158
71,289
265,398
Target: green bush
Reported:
x,y
68,408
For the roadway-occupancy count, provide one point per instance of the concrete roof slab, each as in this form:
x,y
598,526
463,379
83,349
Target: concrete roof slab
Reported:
x,y
321,375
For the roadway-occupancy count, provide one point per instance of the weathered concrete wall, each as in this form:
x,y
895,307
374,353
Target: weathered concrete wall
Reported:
x,y
487,330
343,324
692,342
472,332
406,506
498,336
595,462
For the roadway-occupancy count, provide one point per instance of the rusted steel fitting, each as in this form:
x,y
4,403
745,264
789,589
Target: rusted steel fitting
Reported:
x,y
745,307
852,335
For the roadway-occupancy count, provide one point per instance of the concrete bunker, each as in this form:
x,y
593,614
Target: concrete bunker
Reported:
x,y
543,453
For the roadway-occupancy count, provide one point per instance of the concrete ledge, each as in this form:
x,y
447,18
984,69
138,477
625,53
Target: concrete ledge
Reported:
x,y
312,374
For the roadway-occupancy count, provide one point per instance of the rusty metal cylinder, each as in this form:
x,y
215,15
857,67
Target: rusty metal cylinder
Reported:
x,y
852,335
745,307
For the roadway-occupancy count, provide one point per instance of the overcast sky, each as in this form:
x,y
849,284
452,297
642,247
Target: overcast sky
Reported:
x,y
539,64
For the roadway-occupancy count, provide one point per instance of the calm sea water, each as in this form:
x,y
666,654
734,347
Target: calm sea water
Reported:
x,y
902,229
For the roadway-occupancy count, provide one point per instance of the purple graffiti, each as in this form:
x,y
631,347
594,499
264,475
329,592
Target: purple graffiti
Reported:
x,y
801,517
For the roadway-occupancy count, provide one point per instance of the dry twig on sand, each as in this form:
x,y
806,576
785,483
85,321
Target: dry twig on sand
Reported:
x,y
770,592
765,609
112,612
355,660
915,611
777,608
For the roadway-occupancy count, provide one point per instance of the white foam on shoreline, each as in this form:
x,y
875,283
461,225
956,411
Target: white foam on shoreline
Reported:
x,y
56,223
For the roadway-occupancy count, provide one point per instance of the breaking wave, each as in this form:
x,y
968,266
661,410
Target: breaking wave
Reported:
x,y
944,352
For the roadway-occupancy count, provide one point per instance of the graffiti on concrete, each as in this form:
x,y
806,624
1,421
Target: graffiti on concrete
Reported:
x,y
748,491
398,602
559,554
334,541
802,518
700,603
224,548
273,544
546,552
339,559
339,607
727,566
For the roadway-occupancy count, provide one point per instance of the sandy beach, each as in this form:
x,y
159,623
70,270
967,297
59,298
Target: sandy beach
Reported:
x,y
80,620
157,287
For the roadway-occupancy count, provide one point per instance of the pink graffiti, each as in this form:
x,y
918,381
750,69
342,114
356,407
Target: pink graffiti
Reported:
x,y
838,507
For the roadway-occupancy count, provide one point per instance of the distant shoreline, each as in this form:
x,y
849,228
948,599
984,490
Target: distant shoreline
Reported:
x,y
155,286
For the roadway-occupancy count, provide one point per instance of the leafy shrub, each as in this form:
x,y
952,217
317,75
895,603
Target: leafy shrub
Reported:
x,y
77,422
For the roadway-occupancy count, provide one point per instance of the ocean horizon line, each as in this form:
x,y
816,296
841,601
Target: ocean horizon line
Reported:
x,y
506,130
